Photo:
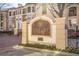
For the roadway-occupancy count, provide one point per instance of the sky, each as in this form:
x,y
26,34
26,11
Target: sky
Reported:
x,y
12,5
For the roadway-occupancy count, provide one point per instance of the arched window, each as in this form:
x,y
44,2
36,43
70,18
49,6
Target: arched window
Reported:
x,y
24,11
9,13
72,11
1,16
29,9
14,13
1,24
41,27
33,9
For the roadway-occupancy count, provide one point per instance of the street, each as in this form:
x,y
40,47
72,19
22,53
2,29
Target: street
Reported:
x,y
7,40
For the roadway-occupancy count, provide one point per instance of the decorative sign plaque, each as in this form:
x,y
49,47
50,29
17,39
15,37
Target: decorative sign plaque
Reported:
x,y
40,39
41,27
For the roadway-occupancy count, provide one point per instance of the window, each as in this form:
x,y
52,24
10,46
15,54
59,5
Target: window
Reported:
x,y
1,17
33,9
9,13
14,13
1,24
73,23
72,11
20,11
23,17
29,9
70,24
24,11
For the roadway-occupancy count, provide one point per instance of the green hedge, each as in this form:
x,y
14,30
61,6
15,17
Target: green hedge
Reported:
x,y
68,49
72,50
51,47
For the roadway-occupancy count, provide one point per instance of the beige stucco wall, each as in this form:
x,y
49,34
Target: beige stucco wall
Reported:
x,y
47,40
60,33
24,33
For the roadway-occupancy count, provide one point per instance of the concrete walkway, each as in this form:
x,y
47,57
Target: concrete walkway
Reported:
x,y
29,51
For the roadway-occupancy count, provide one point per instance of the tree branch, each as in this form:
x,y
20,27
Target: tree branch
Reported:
x,y
52,13
53,9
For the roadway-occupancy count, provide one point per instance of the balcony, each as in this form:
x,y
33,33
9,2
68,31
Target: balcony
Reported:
x,y
30,15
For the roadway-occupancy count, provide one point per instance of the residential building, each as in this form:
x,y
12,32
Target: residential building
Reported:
x,y
3,20
13,18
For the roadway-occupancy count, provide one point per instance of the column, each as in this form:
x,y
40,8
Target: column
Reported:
x,y
24,30
60,33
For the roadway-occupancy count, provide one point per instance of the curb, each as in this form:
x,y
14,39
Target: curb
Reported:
x,y
46,50
56,52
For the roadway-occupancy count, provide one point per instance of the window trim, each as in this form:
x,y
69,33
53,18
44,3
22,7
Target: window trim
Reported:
x,y
73,11
28,9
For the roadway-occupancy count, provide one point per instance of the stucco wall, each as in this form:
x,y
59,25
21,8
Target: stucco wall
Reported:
x,y
46,39
60,33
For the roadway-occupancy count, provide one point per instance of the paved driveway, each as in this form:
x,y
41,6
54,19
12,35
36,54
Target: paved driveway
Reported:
x,y
7,40
28,51
8,48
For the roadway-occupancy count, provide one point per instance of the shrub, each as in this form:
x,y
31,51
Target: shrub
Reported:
x,y
72,50
51,47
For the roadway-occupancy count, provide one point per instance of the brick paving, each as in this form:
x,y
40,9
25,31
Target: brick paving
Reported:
x,y
7,40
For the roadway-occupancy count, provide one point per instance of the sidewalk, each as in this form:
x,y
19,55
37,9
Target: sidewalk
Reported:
x,y
30,51
45,50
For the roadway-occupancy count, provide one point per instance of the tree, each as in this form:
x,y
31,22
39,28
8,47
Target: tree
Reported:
x,y
57,9
3,5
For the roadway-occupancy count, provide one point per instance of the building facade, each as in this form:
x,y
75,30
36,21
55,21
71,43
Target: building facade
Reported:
x,y
3,20
31,10
14,17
